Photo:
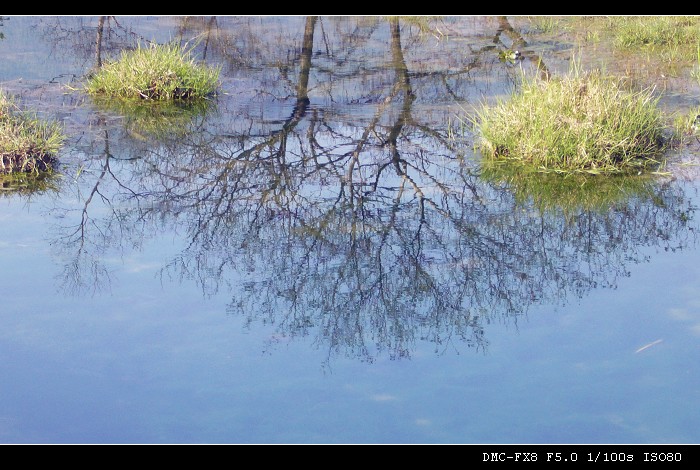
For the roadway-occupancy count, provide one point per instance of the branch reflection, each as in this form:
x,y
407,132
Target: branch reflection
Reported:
x,y
369,233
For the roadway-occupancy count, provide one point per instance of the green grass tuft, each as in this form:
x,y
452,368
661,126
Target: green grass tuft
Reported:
x,y
157,72
654,31
583,122
27,144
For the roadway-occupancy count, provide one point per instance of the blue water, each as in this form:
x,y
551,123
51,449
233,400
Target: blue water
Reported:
x,y
148,333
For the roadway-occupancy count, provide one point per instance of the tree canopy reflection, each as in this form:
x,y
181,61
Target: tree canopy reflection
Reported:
x,y
368,232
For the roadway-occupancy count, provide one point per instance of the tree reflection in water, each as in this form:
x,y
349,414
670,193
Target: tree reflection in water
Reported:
x,y
365,234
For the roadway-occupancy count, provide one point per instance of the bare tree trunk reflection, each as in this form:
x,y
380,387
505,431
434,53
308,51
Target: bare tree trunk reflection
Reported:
x,y
98,42
305,67
210,28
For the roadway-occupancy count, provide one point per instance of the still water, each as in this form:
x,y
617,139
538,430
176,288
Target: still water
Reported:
x,y
317,255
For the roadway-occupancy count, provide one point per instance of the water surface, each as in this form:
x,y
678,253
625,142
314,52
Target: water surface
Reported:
x,y
318,256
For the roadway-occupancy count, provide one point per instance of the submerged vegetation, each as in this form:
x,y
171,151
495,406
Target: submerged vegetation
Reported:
x,y
570,194
27,183
582,122
27,143
157,72
147,119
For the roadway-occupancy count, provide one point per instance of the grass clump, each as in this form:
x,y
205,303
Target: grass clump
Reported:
x,y
655,31
27,144
686,125
157,72
695,73
579,123
547,24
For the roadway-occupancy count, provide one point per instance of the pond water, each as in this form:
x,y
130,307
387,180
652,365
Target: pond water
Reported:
x,y
317,255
